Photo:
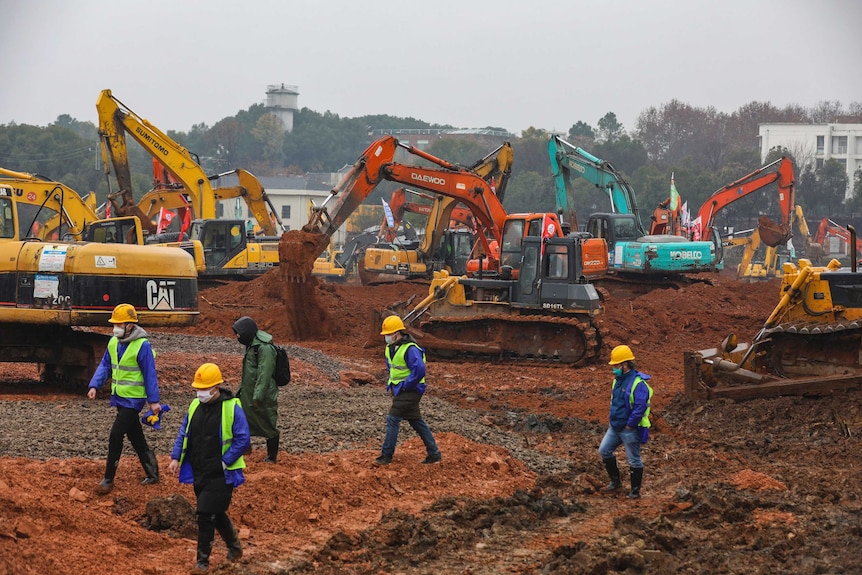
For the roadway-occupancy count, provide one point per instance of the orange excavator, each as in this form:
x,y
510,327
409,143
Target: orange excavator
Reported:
x,y
399,205
779,172
533,301
830,229
768,232
494,225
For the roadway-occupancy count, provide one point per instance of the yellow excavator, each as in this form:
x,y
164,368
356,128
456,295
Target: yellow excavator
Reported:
x,y
221,247
53,285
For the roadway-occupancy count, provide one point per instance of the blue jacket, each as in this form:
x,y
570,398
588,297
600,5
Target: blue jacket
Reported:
x,y
241,443
146,362
623,413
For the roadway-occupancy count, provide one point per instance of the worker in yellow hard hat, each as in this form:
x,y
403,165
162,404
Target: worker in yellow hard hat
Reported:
x,y
629,420
208,453
406,363
129,363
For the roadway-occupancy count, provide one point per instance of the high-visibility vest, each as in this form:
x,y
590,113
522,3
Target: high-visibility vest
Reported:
x,y
227,410
644,422
398,370
127,379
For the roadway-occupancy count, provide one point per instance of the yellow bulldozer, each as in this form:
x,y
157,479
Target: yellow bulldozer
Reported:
x,y
811,344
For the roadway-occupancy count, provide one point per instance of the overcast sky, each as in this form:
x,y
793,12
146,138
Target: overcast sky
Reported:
x,y
507,63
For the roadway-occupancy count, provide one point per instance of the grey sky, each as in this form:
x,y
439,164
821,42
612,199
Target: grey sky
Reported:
x,y
507,63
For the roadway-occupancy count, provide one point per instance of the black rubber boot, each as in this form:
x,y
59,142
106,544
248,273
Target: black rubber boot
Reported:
x,y
203,559
614,473
107,484
272,449
151,467
637,476
231,538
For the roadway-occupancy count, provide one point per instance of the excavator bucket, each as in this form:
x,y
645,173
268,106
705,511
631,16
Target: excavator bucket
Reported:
x,y
771,233
297,250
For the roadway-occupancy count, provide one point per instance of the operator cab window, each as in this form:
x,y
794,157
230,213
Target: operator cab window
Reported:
x,y
625,230
558,262
7,224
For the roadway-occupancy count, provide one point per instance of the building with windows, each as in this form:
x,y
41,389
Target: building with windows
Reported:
x,y
813,144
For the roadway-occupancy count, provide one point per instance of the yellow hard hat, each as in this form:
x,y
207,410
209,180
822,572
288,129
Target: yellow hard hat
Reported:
x,y
124,313
392,324
620,354
207,376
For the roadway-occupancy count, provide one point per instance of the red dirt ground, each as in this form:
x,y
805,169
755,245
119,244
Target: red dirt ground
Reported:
x,y
51,521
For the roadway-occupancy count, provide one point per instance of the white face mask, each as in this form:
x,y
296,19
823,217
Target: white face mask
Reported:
x,y
119,331
389,338
204,395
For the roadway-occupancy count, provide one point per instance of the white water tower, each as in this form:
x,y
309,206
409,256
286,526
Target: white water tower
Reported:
x,y
282,101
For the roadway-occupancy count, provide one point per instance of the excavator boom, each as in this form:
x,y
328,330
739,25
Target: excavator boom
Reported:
x,y
748,184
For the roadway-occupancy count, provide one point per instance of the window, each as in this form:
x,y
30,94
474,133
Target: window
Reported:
x,y
821,142
839,144
285,212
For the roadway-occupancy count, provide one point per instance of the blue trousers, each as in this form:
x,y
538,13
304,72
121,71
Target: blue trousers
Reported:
x,y
629,438
393,423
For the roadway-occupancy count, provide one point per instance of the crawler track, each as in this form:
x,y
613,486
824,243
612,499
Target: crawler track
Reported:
x,y
567,340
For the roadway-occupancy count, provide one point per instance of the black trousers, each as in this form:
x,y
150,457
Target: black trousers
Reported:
x,y
126,424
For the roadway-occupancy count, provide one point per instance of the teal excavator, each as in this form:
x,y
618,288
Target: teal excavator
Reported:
x,y
632,251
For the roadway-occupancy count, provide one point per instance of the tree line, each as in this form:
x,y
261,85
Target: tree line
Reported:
x,y
703,148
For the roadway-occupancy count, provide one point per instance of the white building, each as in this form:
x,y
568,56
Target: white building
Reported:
x,y
813,144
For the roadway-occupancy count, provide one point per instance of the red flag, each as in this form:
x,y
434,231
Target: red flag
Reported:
x,y
549,230
165,218
185,215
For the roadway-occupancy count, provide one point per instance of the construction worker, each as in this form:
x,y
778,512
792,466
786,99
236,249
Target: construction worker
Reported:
x,y
406,363
129,362
208,453
257,390
629,420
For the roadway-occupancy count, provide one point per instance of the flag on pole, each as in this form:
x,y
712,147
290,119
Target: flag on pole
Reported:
x,y
390,219
674,195
549,230
165,218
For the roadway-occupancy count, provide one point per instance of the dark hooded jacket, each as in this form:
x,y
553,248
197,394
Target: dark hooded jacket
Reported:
x,y
257,390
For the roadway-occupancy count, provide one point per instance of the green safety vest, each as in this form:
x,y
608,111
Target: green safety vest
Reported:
x,y
227,407
127,379
398,370
644,422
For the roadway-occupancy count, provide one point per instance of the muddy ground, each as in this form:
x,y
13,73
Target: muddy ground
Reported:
x,y
764,486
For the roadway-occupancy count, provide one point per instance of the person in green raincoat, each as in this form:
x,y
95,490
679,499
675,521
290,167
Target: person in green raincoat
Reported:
x,y
257,390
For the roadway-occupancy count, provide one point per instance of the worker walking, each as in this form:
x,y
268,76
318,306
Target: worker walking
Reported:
x,y
208,454
629,420
406,363
258,390
129,362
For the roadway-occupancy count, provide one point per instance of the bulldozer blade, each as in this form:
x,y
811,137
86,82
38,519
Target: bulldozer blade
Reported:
x,y
771,233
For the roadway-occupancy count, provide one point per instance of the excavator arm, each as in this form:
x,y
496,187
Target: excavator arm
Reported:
x,y
116,120
782,174
72,213
375,165
568,160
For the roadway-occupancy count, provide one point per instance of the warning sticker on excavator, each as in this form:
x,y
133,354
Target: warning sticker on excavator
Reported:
x,y
52,259
106,262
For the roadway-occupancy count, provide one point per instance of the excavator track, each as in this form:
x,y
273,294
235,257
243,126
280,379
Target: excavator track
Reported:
x,y
573,341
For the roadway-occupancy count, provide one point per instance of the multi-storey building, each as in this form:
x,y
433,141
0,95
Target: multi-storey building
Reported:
x,y
813,144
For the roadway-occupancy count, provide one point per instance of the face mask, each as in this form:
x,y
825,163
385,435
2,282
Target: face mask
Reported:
x,y
618,371
204,395
119,331
389,338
